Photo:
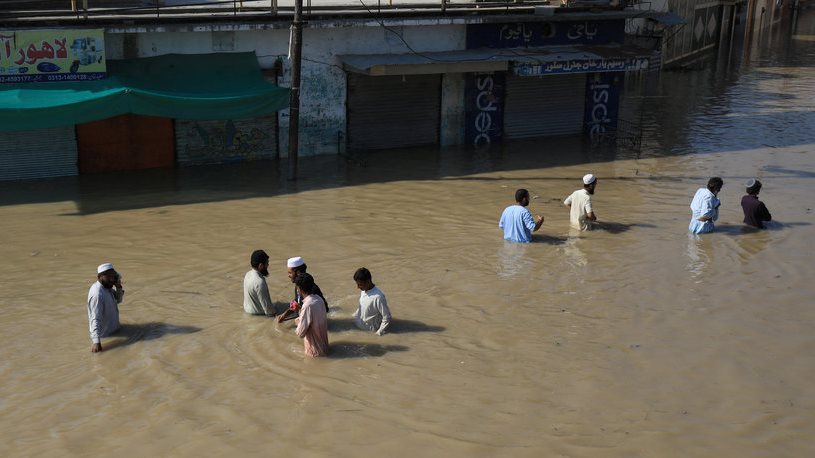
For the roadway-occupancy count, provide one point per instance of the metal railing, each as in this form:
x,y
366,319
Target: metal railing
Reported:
x,y
626,134
115,10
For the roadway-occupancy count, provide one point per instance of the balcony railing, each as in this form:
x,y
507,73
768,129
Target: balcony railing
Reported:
x,y
124,10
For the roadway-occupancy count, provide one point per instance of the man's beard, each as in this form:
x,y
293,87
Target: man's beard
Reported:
x,y
265,272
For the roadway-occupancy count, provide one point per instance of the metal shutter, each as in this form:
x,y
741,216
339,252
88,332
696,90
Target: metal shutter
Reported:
x,y
38,153
216,142
393,111
544,106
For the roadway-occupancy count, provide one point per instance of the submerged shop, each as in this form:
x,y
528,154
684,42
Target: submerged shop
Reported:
x,y
65,108
205,94
514,80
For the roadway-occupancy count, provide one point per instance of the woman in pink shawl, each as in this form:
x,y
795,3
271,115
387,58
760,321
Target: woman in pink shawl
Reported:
x,y
312,324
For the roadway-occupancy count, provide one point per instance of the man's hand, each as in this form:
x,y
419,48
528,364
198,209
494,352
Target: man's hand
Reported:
x,y
96,348
538,222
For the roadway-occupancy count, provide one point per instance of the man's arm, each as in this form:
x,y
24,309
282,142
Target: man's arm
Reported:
x,y
264,299
304,322
764,213
382,305
532,224
707,210
538,223
94,322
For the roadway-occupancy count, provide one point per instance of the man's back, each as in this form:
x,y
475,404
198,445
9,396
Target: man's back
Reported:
x,y
517,223
256,299
373,313
580,206
755,212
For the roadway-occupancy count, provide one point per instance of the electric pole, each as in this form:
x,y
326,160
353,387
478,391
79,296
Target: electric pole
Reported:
x,y
294,101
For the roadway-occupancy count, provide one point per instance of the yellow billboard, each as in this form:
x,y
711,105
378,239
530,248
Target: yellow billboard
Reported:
x,y
52,55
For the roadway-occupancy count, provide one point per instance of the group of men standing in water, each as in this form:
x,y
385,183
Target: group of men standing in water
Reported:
x,y
518,224
309,307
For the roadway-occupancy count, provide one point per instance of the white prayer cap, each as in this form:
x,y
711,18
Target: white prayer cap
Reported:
x,y
589,178
104,267
296,261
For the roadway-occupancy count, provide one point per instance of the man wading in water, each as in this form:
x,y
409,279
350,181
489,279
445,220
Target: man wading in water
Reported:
x,y
104,298
295,266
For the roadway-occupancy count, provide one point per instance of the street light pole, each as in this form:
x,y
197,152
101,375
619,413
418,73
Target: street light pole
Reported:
x,y
294,101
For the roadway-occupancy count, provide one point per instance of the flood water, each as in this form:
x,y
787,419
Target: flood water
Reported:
x,y
637,340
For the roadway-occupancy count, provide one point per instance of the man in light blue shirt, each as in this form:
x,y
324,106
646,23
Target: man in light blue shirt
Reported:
x,y
517,222
705,207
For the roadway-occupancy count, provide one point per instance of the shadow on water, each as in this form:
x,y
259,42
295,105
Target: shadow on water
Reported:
x,y
772,226
129,334
619,228
549,239
397,326
792,172
345,350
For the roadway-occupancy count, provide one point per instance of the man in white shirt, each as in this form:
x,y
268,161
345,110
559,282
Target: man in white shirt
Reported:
x,y
373,313
582,215
256,300
104,298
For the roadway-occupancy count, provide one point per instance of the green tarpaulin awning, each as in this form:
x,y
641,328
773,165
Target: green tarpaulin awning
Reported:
x,y
195,86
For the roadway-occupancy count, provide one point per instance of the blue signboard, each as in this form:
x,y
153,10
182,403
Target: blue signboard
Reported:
x,y
585,65
534,34
602,103
483,108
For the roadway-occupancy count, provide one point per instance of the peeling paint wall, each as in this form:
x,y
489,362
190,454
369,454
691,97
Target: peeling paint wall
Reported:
x,y
452,109
323,81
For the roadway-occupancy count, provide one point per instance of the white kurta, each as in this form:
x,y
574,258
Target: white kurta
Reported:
x,y
580,203
373,313
103,310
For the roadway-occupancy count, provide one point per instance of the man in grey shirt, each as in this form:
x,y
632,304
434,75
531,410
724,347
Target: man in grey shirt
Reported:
x,y
256,300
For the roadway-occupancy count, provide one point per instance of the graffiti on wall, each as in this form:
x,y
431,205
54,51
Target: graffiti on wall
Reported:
x,y
209,142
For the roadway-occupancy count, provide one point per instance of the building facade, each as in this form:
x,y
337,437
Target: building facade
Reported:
x,y
372,84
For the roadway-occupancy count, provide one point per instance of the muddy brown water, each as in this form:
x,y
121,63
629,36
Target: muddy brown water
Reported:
x,y
637,340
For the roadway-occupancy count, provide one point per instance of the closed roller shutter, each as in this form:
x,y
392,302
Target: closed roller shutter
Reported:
x,y
231,140
393,111
38,154
544,106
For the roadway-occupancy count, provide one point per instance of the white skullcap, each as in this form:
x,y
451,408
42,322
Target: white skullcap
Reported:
x,y
750,183
296,261
104,267
589,178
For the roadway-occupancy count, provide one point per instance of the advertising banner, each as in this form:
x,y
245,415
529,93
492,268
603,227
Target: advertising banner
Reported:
x,y
52,55
536,34
484,108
